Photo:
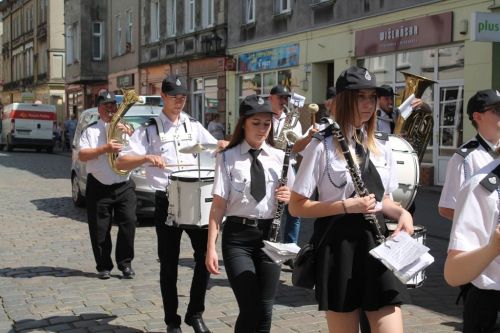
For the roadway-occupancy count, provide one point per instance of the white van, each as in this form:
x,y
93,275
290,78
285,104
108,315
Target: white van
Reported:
x,y
27,125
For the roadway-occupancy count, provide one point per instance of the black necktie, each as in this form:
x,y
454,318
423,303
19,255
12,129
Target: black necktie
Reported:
x,y
257,177
359,149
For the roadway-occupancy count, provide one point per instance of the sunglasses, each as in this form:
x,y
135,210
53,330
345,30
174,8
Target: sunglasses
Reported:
x,y
493,108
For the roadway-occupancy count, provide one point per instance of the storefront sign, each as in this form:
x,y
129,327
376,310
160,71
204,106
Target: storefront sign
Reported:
x,y
278,57
404,35
125,80
485,27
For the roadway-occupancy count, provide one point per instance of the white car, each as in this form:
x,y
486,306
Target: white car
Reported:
x,y
137,115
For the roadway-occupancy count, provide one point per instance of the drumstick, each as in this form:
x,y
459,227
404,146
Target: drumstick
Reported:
x,y
314,109
171,165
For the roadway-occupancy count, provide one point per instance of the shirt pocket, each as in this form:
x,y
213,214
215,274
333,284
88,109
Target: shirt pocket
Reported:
x,y
336,175
240,180
383,170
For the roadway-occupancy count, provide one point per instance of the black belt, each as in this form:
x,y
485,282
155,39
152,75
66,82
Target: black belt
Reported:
x,y
248,221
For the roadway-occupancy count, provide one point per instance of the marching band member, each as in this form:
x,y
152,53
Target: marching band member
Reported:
x,y
474,248
108,194
245,191
157,147
477,152
349,280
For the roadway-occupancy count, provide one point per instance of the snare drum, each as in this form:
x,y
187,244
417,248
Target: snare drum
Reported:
x,y
407,171
190,198
420,233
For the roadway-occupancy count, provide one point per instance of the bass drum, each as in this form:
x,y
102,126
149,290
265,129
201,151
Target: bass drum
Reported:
x,y
407,170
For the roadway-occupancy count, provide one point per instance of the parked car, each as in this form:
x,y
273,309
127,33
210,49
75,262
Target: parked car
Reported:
x,y
137,115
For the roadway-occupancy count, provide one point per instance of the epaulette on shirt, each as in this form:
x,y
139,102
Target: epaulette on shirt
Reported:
x,y
492,180
467,148
324,133
88,125
382,136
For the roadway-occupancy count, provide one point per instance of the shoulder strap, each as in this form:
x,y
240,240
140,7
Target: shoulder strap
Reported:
x,y
321,135
467,148
88,125
492,180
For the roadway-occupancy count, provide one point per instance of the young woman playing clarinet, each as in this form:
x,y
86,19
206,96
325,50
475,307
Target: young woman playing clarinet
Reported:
x,y
349,280
246,191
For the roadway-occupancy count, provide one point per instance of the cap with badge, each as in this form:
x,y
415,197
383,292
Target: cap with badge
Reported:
x,y
331,92
355,78
280,90
386,90
106,97
482,99
172,86
254,104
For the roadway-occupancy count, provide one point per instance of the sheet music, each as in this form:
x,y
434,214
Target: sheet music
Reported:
x,y
405,107
403,255
280,252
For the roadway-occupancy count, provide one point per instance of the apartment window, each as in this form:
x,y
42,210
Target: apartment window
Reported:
x,y
76,43
155,21
190,15
97,41
28,14
208,13
29,61
43,11
128,33
118,36
69,45
171,15
42,58
249,11
282,6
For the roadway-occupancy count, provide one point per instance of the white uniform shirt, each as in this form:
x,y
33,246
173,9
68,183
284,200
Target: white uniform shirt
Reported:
x,y
460,170
232,180
278,124
331,176
475,219
384,120
186,133
93,137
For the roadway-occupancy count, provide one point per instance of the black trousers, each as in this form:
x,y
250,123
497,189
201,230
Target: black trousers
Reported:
x,y
169,239
106,203
253,276
480,310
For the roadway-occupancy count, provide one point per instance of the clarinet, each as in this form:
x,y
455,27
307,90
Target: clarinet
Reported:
x,y
280,206
359,185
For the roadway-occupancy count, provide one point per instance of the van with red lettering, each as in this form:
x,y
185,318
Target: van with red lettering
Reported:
x,y
27,125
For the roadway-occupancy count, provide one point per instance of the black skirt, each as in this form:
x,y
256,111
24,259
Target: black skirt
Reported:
x,y
348,277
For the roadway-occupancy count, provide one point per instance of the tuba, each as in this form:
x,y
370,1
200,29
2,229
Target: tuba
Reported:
x,y
114,133
417,128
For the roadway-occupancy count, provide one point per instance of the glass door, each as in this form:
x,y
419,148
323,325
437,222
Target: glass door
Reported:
x,y
448,126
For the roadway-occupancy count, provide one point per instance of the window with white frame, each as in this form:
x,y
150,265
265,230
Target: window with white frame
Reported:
x,y
17,59
171,17
155,21
208,13
28,54
249,11
128,32
189,18
29,18
43,11
282,6
97,40
69,45
118,36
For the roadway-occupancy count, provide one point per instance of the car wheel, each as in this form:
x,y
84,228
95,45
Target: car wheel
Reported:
x,y
1,147
9,145
76,194
50,150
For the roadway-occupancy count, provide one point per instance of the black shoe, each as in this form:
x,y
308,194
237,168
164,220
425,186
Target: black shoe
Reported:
x,y
289,263
197,324
128,273
104,275
173,329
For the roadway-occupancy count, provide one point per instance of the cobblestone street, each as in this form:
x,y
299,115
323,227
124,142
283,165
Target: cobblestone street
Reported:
x,y
48,281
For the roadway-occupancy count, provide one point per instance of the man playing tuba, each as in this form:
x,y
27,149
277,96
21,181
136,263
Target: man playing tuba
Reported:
x,y
108,194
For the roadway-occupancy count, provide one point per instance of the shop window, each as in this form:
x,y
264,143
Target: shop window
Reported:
x,y
450,119
451,62
261,83
412,62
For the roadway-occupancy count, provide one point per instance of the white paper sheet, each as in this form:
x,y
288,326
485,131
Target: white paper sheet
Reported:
x,y
280,252
405,108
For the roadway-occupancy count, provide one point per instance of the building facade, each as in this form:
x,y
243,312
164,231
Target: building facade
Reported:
x,y
33,52
87,55
306,44
187,38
